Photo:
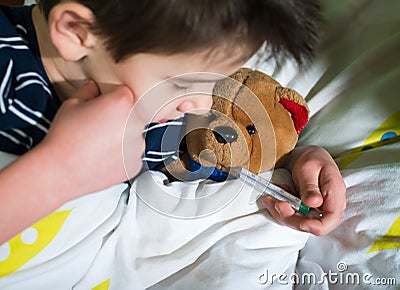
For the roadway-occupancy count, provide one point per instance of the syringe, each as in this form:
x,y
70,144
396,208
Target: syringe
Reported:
x,y
267,188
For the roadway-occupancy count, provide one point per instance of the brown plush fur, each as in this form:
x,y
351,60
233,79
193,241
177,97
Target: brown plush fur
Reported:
x,y
247,102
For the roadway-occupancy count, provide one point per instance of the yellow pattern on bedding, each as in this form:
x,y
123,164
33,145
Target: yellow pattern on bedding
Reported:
x,y
19,250
388,132
103,285
391,240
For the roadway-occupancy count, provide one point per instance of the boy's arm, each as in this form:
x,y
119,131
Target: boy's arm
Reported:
x,y
320,184
82,153
28,191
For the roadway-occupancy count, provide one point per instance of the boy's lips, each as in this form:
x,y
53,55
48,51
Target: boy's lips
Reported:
x,y
170,118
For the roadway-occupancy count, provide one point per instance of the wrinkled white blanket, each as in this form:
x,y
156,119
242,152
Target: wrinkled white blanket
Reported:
x,y
138,238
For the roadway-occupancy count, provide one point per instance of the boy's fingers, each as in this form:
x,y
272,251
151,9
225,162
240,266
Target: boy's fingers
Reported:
x,y
284,214
121,98
308,187
311,195
333,189
87,92
323,226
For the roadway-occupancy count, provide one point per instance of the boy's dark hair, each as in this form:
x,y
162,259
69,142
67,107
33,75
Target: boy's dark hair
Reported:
x,y
289,27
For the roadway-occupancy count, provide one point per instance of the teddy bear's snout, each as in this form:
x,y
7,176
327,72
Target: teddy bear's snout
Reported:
x,y
225,134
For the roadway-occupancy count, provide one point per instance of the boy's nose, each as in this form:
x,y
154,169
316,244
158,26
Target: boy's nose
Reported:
x,y
196,104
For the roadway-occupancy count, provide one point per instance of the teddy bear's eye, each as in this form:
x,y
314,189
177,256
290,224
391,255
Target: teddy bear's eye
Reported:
x,y
251,129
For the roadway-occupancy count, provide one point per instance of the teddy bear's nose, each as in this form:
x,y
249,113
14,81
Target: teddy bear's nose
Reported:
x,y
225,134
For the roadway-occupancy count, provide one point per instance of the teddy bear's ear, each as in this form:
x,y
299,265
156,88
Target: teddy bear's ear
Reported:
x,y
295,104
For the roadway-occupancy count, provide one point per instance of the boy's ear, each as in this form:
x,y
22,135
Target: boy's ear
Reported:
x,y
69,30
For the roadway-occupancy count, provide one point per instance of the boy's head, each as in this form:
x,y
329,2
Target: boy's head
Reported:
x,y
140,43
168,27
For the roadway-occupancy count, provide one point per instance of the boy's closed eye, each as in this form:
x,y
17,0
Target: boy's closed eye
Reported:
x,y
196,82
181,86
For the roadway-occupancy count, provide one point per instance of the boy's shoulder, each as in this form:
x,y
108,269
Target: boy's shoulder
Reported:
x,y
14,32
19,50
12,19
27,99
16,22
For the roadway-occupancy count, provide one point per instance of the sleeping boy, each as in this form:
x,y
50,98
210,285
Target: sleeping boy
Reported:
x,y
74,71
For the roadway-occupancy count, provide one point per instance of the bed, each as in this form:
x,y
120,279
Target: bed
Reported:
x,y
113,239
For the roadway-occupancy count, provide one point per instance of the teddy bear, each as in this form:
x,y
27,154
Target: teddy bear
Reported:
x,y
254,123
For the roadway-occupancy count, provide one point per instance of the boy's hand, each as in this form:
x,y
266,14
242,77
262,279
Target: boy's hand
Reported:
x,y
87,138
82,153
320,184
